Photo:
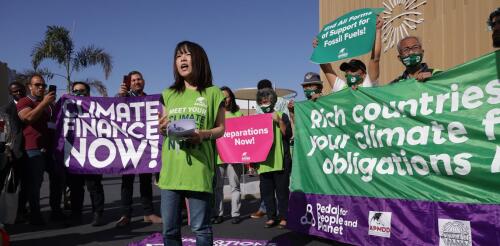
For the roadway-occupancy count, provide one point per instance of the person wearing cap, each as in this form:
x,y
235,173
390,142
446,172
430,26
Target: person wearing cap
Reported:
x,y
411,55
355,70
312,86
494,26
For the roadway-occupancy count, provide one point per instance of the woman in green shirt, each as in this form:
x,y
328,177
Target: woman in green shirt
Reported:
x,y
274,172
233,170
188,164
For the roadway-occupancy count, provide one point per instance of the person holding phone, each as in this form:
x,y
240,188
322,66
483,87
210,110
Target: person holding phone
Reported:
x,y
36,111
132,86
188,165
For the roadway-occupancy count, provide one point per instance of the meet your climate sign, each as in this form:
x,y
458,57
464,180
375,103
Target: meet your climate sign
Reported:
x,y
411,163
109,135
348,36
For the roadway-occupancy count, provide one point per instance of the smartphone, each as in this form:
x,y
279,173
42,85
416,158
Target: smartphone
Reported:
x,y
126,81
52,88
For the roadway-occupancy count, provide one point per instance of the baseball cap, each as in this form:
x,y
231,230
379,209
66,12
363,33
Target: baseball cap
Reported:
x,y
353,65
312,79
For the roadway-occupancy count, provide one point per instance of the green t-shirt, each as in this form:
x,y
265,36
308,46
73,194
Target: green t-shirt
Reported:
x,y
186,166
274,161
229,114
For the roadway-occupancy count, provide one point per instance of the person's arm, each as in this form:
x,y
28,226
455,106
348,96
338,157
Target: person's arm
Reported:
x,y
218,131
29,115
374,65
327,68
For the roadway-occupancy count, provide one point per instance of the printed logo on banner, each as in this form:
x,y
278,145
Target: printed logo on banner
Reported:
x,y
454,232
379,223
342,53
329,218
245,157
201,101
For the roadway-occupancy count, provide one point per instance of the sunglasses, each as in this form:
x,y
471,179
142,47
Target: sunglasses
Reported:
x,y
40,85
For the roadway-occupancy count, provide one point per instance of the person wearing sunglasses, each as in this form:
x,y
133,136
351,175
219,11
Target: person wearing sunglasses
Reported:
x,y
36,111
93,182
494,26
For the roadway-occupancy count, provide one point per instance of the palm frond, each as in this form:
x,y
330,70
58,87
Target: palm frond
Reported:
x,y
98,86
59,43
90,56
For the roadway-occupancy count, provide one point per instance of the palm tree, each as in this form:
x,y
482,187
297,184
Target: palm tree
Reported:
x,y
58,45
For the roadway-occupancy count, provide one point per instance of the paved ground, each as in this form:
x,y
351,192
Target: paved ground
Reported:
x,y
58,234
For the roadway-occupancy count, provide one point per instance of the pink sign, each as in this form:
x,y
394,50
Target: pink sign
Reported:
x,y
247,139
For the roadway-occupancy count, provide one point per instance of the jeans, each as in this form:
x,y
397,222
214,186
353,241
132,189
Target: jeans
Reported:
x,y
233,172
146,190
199,215
38,162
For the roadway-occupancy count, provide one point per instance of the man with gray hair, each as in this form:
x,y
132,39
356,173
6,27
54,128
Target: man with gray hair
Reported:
x,y
411,55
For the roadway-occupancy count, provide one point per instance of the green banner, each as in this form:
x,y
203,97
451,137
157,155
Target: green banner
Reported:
x,y
348,36
435,141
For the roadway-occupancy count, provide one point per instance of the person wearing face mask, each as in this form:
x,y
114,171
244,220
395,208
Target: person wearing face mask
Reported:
x,y
312,85
494,26
355,70
274,172
411,54
92,181
136,89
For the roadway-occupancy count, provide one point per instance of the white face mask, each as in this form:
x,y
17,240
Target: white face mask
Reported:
x,y
266,108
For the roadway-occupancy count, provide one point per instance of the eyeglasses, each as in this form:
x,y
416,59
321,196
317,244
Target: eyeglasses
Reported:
x,y
40,85
414,48
15,92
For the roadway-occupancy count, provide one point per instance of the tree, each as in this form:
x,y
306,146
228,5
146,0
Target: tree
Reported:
x,y
58,46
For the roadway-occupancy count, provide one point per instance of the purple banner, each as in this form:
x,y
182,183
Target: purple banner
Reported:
x,y
379,221
157,240
113,135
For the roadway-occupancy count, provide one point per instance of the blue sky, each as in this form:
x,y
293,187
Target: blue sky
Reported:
x,y
245,40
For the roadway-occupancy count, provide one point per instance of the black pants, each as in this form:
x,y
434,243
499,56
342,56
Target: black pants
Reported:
x,y
275,184
94,187
37,163
145,189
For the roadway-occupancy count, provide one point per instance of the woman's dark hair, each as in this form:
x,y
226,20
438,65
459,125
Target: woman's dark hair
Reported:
x,y
87,86
265,83
267,93
233,107
202,75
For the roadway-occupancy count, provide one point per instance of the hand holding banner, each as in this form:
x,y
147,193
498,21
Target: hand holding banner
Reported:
x,y
348,36
109,135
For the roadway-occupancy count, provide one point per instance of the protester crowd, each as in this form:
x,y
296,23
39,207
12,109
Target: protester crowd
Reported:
x,y
28,135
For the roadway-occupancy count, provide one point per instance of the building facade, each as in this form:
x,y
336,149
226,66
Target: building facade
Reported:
x,y
452,31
